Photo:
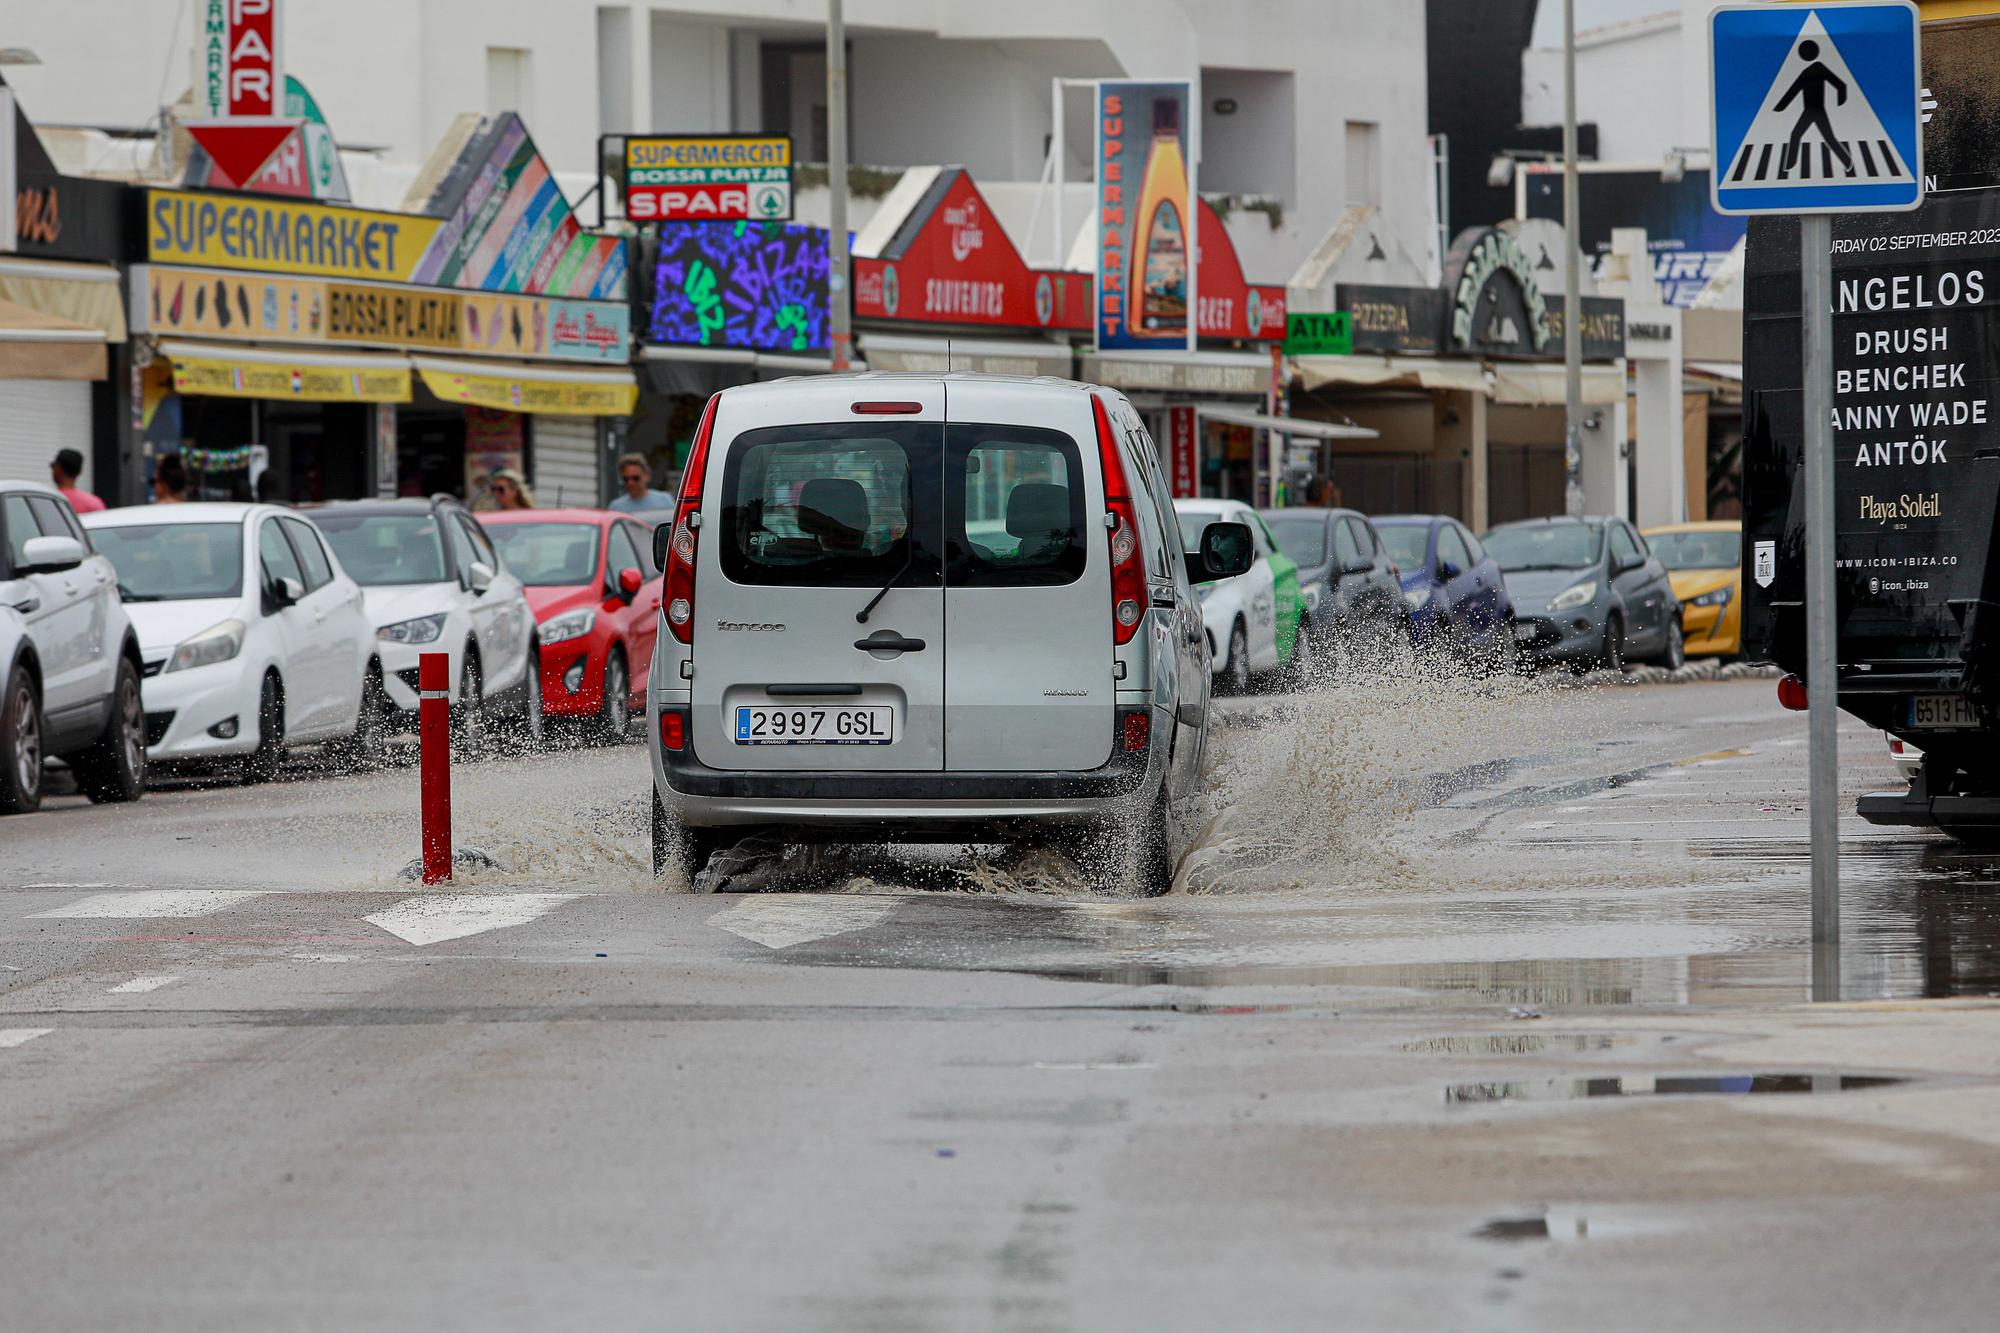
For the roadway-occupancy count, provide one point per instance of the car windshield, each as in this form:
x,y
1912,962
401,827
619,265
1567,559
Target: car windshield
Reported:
x,y
384,550
1697,550
1194,523
1406,543
174,562
1300,536
548,555
1544,546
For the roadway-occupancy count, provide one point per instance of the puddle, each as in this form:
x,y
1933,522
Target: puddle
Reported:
x,y
1506,1044
1661,1085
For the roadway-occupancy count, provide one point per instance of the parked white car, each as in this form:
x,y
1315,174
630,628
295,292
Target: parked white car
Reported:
x,y
72,683
1251,620
434,583
253,638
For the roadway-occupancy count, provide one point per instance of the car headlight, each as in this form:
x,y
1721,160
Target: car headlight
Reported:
x,y
424,629
1313,592
1418,597
1720,597
569,625
1574,596
217,643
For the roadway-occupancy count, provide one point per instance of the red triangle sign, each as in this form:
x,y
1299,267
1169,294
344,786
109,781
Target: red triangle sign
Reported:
x,y
241,146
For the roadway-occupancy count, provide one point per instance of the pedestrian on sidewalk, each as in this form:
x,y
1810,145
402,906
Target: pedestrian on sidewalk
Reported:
x,y
170,480
635,474
64,469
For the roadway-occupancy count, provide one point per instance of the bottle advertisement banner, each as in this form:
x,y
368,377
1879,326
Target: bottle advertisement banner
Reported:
x,y
1145,185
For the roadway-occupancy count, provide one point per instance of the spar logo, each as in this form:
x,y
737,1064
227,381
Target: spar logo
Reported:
x,y
967,235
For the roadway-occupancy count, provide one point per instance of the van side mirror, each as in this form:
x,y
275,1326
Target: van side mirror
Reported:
x,y
50,555
1226,551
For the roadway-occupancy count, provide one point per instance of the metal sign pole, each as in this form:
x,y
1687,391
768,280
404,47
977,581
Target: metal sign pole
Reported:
x,y
1816,295
842,325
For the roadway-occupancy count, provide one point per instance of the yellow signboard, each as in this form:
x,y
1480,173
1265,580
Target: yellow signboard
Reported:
x,y
500,325
284,236
230,305
306,380
408,317
524,391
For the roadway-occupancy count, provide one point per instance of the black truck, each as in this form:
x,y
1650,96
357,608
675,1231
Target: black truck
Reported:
x,y
1916,406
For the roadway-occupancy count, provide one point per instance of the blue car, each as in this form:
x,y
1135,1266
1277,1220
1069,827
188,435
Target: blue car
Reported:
x,y
1459,604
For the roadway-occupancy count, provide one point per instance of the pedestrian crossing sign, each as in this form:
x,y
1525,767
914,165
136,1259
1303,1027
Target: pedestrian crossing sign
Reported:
x,y
1815,108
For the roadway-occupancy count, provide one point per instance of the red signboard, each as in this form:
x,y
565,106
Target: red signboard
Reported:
x,y
952,263
690,203
239,84
1225,305
1183,453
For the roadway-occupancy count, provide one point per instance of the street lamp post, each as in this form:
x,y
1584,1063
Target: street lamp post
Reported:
x,y
842,323
1572,282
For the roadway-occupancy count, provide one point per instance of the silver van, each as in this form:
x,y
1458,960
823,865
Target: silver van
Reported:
x,y
929,608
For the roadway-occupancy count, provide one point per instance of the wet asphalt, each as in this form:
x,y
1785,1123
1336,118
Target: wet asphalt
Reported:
x,y
1479,1011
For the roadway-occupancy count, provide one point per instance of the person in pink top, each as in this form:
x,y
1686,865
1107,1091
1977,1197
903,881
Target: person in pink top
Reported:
x,y
64,469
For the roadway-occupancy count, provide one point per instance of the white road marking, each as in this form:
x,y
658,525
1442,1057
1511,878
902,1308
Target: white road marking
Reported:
x,y
10,1037
1540,823
780,923
140,985
321,958
155,902
437,917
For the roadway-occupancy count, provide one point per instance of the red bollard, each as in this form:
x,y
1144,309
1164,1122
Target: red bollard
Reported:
x,y
434,762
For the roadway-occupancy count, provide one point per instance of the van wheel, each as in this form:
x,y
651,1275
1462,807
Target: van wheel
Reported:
x,y
678,847
262,764
20,745
1153,851
1236,671
614,719
113,769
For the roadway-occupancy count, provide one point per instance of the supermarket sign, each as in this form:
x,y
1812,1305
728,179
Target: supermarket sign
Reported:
x,y
709,178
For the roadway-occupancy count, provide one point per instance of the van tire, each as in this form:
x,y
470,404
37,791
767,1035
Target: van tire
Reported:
x,y
113,769
676,846
1153,851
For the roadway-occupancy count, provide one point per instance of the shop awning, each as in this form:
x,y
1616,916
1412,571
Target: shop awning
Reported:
x,y
984,356
1392,372
514,386
1179,372
85,294
1317,430
37,346
1543,385
218,371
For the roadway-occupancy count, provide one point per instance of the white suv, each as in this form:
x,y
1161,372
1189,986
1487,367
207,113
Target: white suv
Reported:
x,y
434,583
72,684
933,608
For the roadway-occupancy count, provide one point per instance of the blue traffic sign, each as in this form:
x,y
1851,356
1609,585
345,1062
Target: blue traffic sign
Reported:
x,y
1815,108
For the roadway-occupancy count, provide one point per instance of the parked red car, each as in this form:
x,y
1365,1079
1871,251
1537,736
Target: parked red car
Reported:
x,y
596,597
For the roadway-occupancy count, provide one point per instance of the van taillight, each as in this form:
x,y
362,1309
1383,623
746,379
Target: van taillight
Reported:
x,y
678,598
1128,566
673,731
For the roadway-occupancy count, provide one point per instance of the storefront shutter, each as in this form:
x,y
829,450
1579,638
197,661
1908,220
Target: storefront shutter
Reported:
x,y
566,455
38,417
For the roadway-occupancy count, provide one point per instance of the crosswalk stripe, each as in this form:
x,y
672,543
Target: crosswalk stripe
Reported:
x,y
152,903
433,918
779,924
141,985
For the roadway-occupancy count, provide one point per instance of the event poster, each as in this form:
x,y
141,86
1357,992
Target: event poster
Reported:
x,y
1145,242
760,286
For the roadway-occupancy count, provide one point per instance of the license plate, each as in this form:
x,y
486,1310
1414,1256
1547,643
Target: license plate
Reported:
x,y
1943,712
873,724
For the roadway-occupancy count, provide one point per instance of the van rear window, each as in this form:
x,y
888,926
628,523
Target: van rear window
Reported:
x,y
1017,507
831,505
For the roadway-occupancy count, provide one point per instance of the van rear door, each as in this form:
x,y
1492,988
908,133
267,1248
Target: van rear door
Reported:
x,y
1028,678
815,501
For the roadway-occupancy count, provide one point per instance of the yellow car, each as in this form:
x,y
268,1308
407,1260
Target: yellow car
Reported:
x,y
1705,564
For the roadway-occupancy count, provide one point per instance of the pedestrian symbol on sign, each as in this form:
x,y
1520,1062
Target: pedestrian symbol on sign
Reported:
x,y
1815,111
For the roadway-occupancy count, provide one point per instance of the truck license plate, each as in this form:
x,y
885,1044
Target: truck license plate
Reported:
x,y
873,724
1943,712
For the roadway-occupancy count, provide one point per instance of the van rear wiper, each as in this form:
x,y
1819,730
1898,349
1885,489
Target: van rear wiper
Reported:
x,y
909,558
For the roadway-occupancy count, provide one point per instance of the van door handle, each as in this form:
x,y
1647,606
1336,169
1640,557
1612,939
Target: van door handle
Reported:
x,y
889,643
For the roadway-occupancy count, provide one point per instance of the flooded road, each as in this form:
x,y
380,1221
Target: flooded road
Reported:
x,y
1475,1008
